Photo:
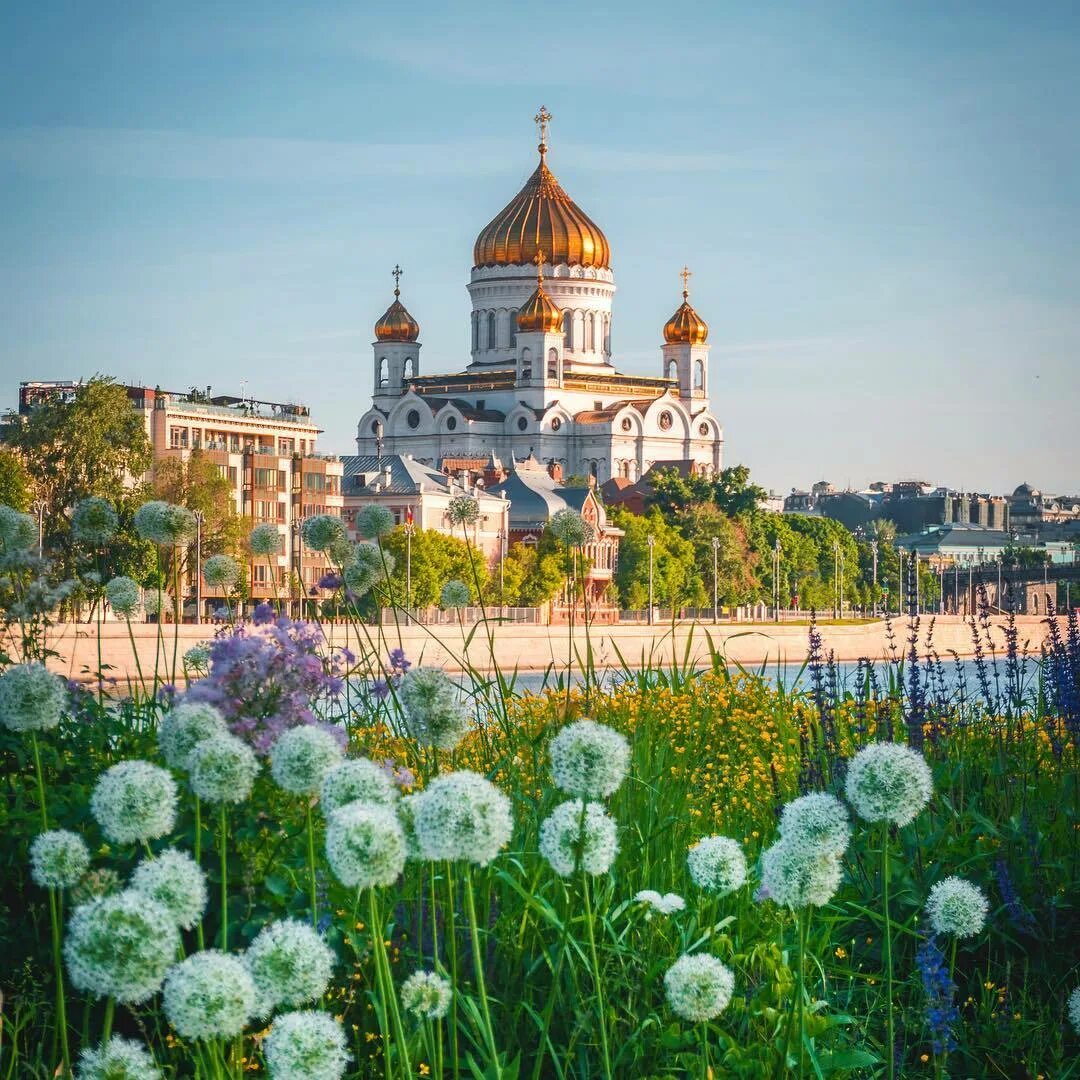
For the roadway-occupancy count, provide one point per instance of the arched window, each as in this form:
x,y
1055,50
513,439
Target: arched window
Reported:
x,y
624,469
475,331
699,375
491,340
672,370
552,364
568,329
384,377
590,332
407,369
592,469
513,328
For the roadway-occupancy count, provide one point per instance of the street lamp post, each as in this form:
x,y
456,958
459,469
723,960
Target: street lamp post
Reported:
x,y
298,561
715,554
38,506
502,567
873,553
776,578
408,567
836,601
198,515
651,541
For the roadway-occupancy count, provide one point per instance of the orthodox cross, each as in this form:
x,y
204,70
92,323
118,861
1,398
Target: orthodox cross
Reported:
x,y
686,276
542,119
397,272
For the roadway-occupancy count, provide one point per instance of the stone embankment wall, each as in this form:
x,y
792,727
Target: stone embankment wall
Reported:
x,y
534,648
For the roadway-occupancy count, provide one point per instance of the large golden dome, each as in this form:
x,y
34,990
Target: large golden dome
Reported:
x,y
539,314
396,324
542,217
686,326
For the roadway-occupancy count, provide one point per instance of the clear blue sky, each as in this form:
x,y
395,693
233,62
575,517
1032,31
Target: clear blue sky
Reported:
x,y
879,203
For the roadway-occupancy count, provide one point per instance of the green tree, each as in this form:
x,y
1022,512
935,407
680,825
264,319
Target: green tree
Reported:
x,y
199,484
734,494
736,582
14,480
677,580
533,574
436,559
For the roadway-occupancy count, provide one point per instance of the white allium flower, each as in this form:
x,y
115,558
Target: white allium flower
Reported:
x,y
265,539
717,865
118,1059
123,595
120,946
323,530
94,521
956,907
164,523
1074,1009
454,595
301,757
461,816
797,877
58,859
569,844
374,521
175,881
368,565
365,845
888,782
210,995
197,658
406,812
185,725
589,760
222,769
32,698
463,510
134,801
356,780
426,995
154,602
816,821
221,572
569,527
289,964
306,1046
434,713
667,904
18,531
698,988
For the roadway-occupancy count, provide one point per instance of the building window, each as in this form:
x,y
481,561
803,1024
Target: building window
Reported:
x,y
286,446
665,420
451,423
412,418
475,331
556,423
699,375
672,370
703,431
568,329
626,425
553,369
491,341
383,374
522,423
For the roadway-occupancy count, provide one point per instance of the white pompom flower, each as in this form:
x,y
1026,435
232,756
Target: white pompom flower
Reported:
x,y
888,782
1074,1009
222,769
365,845
571,840
123,594
184,726
426,995
818,821
717,865
175,881
134,802
454,595
18,531
289,963
323,531
210,995
165,523
120,946
356,780
589,760
94,521
698,987
59,859
301,758
434,713
306,1046
265,539
374,521
957,907
796,878
461,816
666,904
32,698
221,572
117,1059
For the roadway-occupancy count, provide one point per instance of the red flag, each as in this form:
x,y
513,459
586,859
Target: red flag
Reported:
x,y
408,515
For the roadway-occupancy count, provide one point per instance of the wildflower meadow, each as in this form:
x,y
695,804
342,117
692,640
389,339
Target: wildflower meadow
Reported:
x,y
279,857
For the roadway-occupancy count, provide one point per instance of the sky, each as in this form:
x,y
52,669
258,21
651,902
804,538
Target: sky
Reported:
x,y
879,203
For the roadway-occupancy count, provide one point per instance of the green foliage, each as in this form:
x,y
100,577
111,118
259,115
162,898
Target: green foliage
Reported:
x,y
730,491
436,559
533,574
677,578
15,487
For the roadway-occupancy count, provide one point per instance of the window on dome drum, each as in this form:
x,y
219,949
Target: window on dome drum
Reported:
x,y
513,327
568,329
699,375
451,423
475,331
556,424
491,341
672,370
383,377
522,423
407,370
665,421
412,418
590,323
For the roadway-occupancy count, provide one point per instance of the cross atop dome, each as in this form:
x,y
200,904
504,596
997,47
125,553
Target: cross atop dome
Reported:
x,y
397,272
686,275
542,119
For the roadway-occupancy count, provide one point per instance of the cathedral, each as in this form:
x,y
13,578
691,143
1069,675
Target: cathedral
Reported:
x,y
542,380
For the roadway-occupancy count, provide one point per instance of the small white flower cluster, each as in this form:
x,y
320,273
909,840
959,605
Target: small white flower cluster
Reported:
x,y
570,528
323,531
94,521
356,780
222,769
301,758
698,987
374,521
184,726
460,817
306,1046
197,659
1074,1009
120,946
589,760
155,602
434,713
957,908
265,539
210,995
221,572
32,698
717,865
18,531
577,836
175,881
289,964
134,802
365,845
888,782
667,904
463,510
803,867
426,995
164,523
58,859
117,1059
817,820
454,595
124,595
367,565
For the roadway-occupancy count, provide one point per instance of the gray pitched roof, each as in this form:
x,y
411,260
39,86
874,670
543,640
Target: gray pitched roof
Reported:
x,y
363,471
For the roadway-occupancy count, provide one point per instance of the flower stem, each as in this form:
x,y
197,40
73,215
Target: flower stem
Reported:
x,y
388,999
311,868
598,985
478,964
223,831
890,1053
198,861
451,937
800,984
106,1026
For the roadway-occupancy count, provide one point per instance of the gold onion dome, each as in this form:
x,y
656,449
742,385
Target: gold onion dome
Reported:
x,y
686,326
542,217
396,324
539,314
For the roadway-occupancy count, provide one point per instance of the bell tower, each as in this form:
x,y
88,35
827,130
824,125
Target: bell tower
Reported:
x,y
685,352
396,348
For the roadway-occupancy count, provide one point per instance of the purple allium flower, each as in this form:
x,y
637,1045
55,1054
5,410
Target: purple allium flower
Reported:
x,y
380,689
398,661
330,581
263,614
166,693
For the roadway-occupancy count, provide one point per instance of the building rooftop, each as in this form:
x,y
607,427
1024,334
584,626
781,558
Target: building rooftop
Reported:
x,y
391,474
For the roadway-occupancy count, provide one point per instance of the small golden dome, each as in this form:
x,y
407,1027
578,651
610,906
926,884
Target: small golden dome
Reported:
x,y
686,326
542,216
396,323
539,314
